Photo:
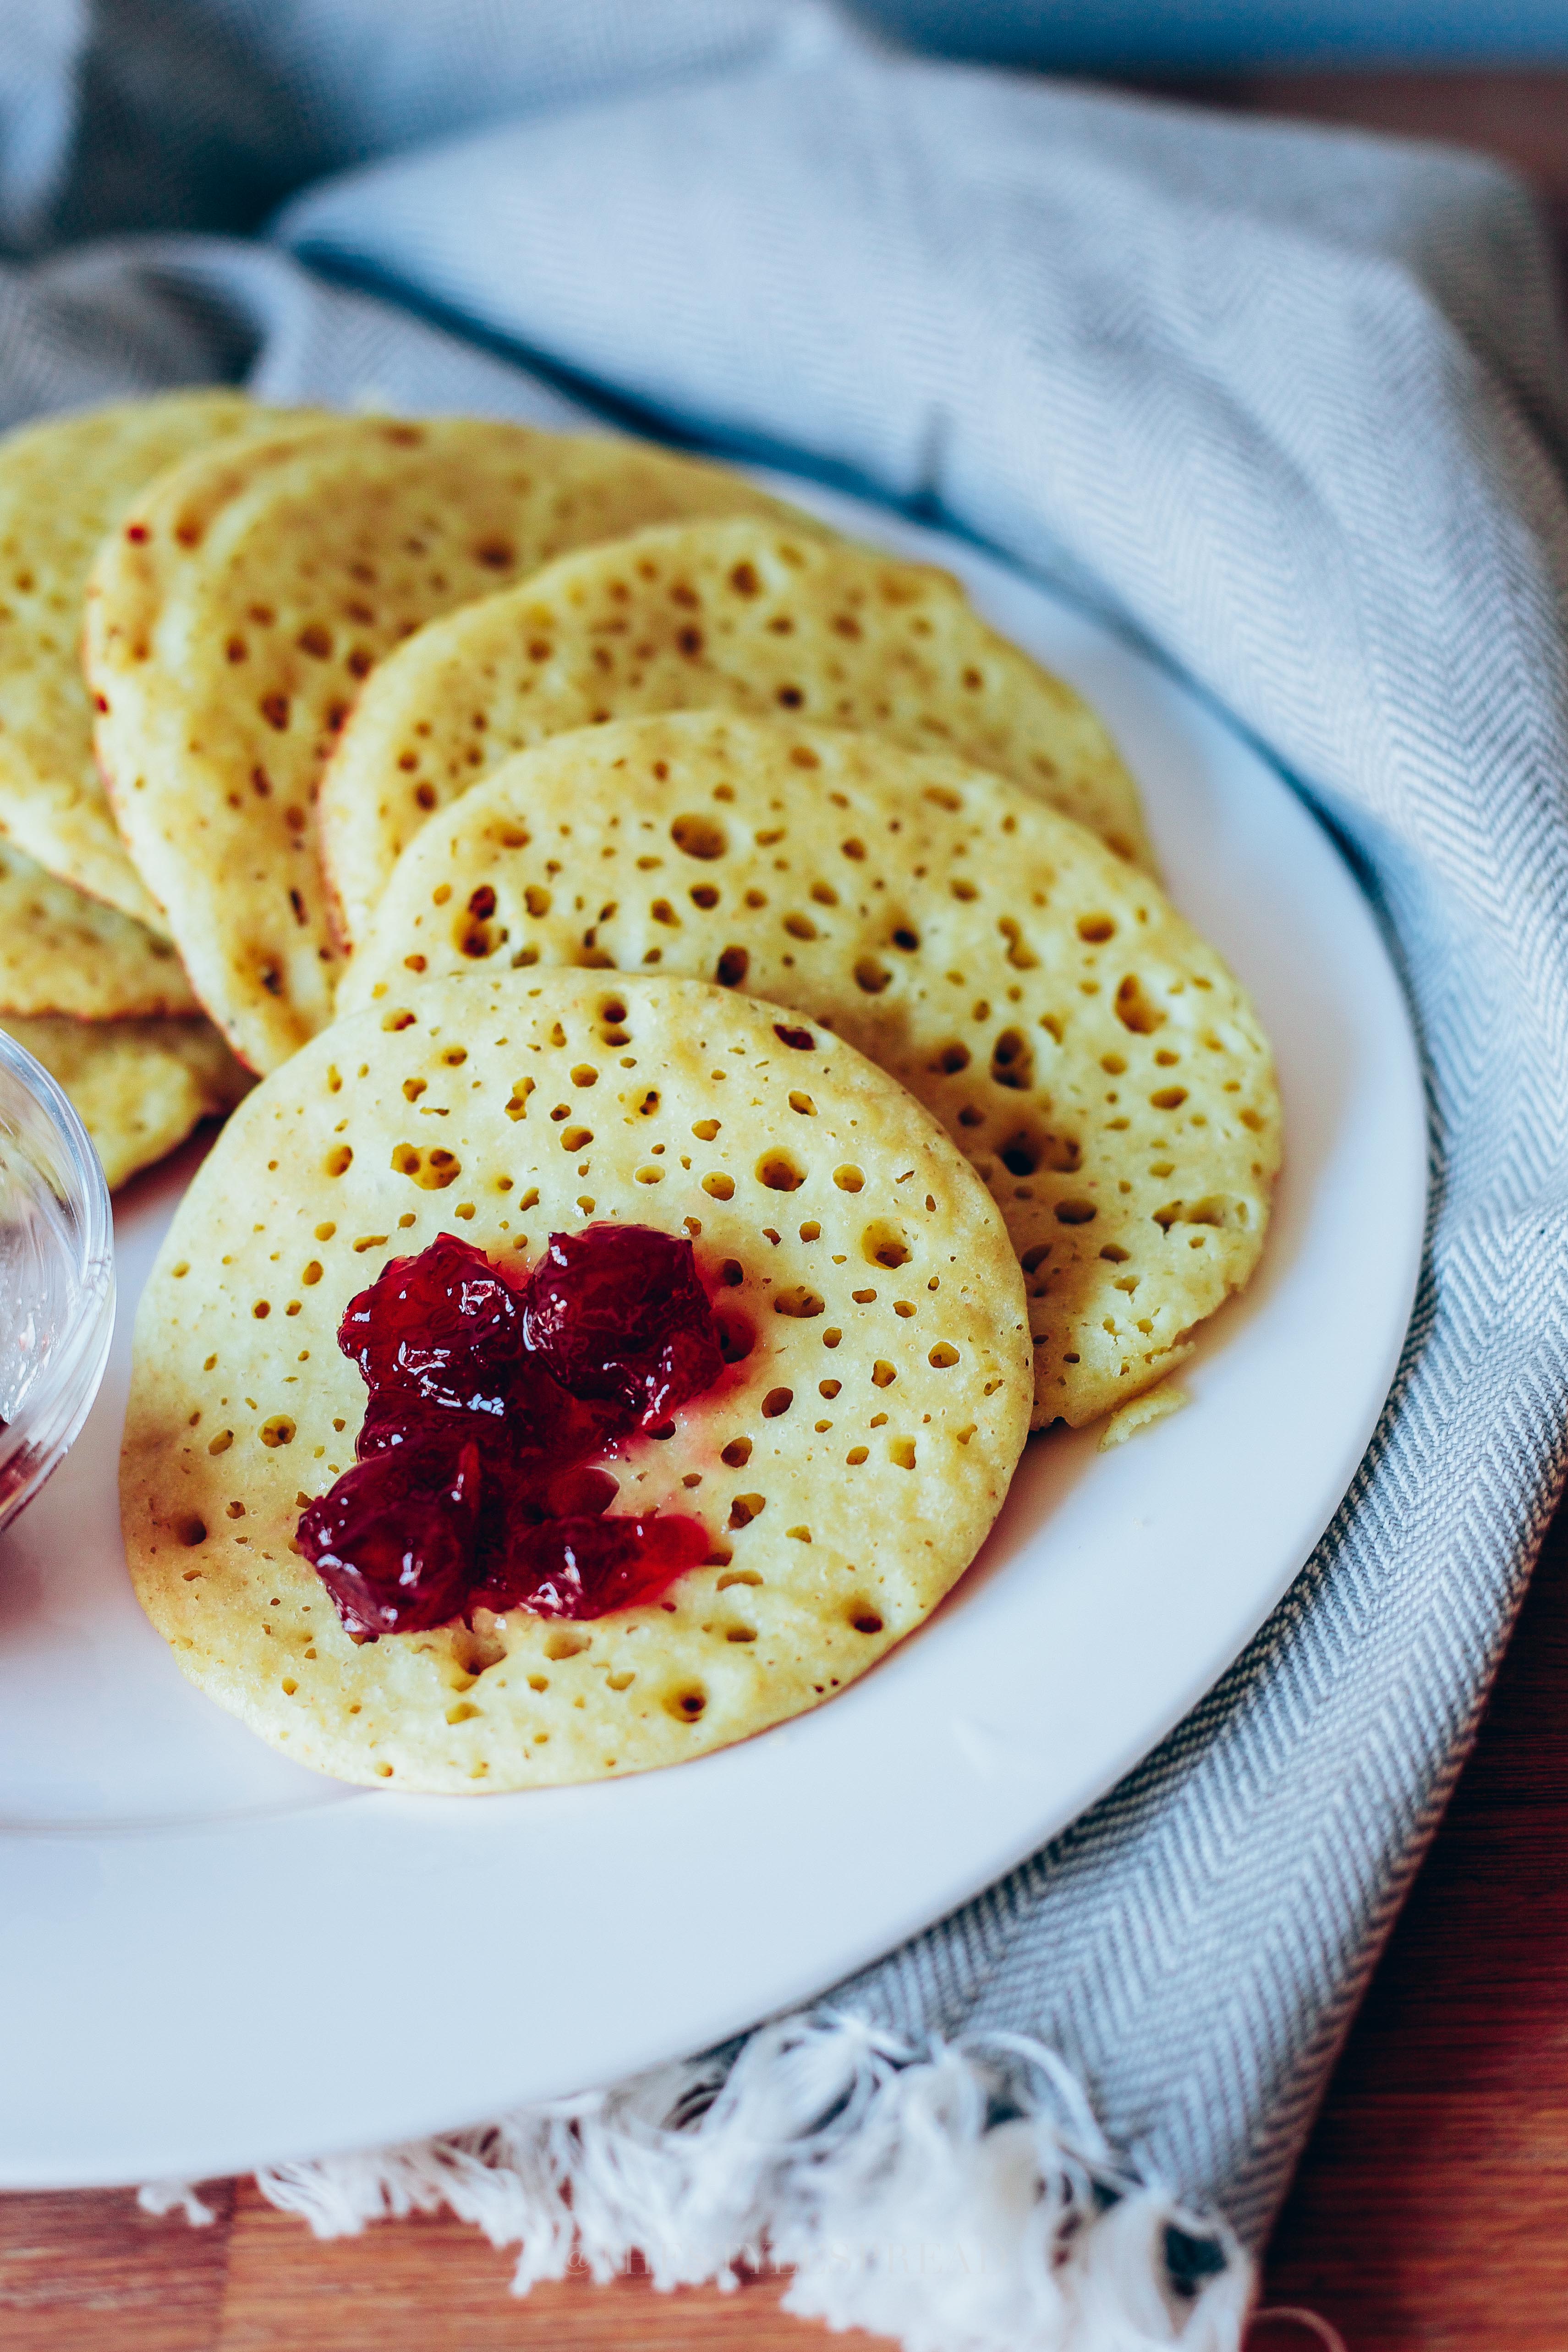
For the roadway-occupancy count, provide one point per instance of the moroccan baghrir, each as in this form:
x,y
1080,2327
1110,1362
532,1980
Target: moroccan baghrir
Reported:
x,y
745,614
1086,1049
235,613
64,483
847,1472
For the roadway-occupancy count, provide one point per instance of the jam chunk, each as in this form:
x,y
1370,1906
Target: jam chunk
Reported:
x,y
618,1312
489,1403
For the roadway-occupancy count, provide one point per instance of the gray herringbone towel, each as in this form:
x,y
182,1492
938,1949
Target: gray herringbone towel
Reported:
x,y
1288,402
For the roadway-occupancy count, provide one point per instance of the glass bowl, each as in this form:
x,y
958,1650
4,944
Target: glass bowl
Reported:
x,y
56,1275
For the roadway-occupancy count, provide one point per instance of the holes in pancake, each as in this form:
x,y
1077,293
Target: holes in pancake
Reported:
x,y
1228,1216
780,1171
277,1431
474,934
1076,1212
475,1653
871,975
699,836
704,895
856,1456
432,1170
950,1059
572,1138
943,1357
738,1576
338,1159
583,1073
1096,929
744,1508
731,967
1013,1061
1020,955
737,1454
802,1104
688,1705
849,1179
740,1633
901,1453
566,1643
736,1336
864,1618
516,1108
1032,1148
191,1531
883,1374
706,1129
777,1402
1168,1098
719,1186
1136,1009
798,1302
801,1040
886,1243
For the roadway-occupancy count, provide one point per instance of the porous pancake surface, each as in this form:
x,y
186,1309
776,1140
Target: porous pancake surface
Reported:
x,y
61,951
742,613
64,483
139,1086
847,1467
237,609
1087,1050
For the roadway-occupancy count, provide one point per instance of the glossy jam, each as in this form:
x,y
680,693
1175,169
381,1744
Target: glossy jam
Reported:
x,y
475,1482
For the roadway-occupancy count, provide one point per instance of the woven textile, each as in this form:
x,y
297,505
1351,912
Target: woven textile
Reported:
x,y
1287,403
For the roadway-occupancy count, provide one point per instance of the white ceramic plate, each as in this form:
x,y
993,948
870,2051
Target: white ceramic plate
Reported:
x,y
209,1958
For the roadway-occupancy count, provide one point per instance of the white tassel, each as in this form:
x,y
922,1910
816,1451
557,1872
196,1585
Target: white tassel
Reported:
x,y
961,2197
161,2197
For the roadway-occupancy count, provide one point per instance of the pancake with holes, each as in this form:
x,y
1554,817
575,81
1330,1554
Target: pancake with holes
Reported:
x,y
61,951
840,1460
1092,1055
234,616
743,613
63,484
139,1086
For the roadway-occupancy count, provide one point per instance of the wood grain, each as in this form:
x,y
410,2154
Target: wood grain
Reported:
x,y
1427,2216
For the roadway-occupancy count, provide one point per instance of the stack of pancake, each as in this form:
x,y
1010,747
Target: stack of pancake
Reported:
x,y
374,710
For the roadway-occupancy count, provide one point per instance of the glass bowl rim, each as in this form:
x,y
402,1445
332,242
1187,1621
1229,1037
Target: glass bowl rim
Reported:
x,y
92,1213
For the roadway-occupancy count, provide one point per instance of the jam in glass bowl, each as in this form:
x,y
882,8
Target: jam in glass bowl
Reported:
x,y
56,1275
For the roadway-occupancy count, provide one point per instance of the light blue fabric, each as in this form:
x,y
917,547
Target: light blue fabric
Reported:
x,y
1288,402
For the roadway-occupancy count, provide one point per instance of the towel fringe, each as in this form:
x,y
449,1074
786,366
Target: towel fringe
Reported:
x,y
957,2195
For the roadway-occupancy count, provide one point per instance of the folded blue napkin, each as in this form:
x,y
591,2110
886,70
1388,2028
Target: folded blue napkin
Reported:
x,y
1288,405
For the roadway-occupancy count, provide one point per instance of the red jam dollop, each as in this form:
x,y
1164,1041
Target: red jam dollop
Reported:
x,y
474,1483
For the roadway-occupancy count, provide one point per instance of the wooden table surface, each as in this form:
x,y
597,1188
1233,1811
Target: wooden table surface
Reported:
x,y
1429,2214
